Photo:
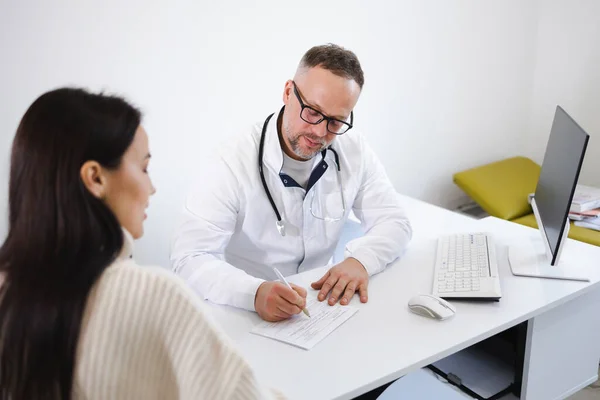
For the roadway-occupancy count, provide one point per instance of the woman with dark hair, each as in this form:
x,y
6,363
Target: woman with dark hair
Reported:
x,y
78,317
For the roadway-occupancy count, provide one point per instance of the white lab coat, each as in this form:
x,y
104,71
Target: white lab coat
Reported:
x,y
228,242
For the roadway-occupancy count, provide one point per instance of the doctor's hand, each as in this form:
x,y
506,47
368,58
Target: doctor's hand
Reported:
x,y
344,280
275,302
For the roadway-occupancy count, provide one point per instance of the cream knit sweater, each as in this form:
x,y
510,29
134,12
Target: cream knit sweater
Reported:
x,y
145,336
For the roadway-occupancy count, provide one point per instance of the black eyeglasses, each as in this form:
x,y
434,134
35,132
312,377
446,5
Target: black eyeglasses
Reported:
x,y
315,117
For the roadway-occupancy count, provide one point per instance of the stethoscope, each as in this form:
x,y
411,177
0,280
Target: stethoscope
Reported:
x,y
279,223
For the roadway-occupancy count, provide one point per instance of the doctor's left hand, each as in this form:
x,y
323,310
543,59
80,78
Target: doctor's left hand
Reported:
x,y
345,279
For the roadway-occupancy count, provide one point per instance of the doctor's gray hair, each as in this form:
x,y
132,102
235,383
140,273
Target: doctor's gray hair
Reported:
x,y
334,58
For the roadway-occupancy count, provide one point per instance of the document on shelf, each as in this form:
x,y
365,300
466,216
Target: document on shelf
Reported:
x,y
305,332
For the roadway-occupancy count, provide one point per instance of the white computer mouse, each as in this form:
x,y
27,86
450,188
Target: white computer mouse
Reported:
x,y
431,306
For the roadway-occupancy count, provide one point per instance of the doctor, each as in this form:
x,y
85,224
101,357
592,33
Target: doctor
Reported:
x,y
279,195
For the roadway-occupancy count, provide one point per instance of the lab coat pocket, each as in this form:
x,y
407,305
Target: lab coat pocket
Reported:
x,y
328,214
328,207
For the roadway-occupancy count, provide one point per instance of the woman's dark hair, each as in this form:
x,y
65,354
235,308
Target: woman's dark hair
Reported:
x,y
60,238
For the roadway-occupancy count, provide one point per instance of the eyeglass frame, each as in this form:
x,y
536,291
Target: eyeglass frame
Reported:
x,y
323,116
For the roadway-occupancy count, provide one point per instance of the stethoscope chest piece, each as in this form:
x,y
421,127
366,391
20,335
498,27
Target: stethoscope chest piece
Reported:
x,y
280,227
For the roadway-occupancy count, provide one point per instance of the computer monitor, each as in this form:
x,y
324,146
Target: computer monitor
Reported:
x,y
551,202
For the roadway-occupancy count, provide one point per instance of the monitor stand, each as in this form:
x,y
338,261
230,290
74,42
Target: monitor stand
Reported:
x,y
527,261
528,258
533,257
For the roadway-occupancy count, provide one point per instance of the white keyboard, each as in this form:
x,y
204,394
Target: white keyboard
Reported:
x,y
466,267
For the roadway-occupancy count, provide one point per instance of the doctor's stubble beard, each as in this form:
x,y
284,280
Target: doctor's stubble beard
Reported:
x,y
295,144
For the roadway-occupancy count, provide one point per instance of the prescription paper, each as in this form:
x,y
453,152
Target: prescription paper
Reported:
x,y
305,332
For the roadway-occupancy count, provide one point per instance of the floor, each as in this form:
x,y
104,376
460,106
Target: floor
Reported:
x,y
591,392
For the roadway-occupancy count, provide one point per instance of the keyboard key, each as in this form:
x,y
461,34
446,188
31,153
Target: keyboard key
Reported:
x,y
463,261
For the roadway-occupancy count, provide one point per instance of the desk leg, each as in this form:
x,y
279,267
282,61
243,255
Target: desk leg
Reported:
x,y
562,349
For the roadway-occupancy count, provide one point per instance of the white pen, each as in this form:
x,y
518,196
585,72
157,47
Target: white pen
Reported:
x,y
282,279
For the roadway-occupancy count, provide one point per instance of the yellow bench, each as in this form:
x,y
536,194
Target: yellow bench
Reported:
x,y
501,188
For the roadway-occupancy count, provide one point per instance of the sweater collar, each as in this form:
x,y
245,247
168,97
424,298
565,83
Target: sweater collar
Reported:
x,y
127,249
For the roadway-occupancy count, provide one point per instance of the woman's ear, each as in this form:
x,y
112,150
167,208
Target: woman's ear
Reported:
x,y
92,176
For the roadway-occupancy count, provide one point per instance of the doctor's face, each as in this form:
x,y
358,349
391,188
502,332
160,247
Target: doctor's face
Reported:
x,y
321,90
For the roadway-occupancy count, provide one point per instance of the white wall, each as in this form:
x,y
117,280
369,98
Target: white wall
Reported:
x,y
448,83
567,73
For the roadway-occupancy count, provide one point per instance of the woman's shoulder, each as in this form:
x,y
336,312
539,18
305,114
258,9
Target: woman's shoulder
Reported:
x,y
127,275
154,308
151,297
130,268
154,295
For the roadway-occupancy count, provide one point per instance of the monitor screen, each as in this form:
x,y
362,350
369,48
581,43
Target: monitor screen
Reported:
x,y
559,174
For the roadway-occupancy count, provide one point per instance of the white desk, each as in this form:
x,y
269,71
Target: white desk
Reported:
x,y
385,341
